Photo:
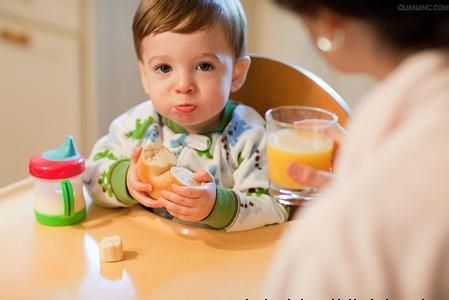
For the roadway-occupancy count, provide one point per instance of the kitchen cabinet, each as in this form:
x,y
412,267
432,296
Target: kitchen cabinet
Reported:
x,y
59,62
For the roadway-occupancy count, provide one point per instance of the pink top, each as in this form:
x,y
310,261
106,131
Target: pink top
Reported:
x,y
382,228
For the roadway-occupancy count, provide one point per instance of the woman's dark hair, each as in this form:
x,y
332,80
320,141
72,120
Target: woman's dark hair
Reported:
x,y
403,24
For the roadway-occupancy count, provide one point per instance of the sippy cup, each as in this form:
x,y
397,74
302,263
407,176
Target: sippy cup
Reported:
x,y
58,186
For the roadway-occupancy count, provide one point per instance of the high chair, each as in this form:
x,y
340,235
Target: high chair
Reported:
x,y
273,83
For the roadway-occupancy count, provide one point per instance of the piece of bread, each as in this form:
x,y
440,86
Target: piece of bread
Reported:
x,y
111,248
154,160
156,166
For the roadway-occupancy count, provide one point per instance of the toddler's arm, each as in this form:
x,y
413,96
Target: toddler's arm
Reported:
x,y
107,167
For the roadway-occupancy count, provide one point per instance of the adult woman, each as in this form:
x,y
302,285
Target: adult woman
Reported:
x,y
381,228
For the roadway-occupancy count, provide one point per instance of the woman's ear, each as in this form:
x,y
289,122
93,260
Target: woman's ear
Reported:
x,y
325,22
143,77
239,73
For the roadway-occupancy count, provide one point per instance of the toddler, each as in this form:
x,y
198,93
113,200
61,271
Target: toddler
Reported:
x,y
191,56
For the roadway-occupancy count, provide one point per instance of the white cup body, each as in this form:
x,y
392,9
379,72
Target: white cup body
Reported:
x,y
49,199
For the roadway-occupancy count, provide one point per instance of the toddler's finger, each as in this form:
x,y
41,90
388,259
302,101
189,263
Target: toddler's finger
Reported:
x,y
143,199
176,198
174,209
188,191
136,153
203,176
140,186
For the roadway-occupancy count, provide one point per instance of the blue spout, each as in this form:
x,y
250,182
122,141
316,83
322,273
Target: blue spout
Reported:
x,y
66,151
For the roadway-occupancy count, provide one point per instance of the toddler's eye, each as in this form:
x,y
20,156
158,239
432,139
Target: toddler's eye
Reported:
x,y
205,67
163,68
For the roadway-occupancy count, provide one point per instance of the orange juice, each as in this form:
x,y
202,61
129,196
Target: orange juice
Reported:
x,y
287,146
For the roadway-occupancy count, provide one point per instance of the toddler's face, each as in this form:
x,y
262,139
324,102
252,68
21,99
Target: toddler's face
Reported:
x,y
189,77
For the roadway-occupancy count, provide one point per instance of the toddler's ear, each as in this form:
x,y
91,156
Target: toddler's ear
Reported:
x,y
239,73
143,77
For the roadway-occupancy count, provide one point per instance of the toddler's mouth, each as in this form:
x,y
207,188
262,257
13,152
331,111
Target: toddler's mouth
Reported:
x,y
185,108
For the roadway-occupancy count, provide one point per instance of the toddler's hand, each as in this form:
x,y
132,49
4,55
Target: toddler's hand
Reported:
x,y
191,203
136,188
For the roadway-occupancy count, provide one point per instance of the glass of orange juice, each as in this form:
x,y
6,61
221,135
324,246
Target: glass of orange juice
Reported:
x,y
298,134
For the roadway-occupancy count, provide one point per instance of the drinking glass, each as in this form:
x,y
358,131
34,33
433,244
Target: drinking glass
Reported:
x,y
298,134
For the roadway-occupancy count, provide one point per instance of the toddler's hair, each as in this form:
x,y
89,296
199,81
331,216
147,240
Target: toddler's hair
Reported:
x,y
187,16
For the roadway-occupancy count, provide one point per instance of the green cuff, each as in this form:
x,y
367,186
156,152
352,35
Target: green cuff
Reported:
x,y
224,211
117,177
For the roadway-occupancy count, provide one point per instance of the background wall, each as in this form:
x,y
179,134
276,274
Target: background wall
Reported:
x,y
70,68
117,79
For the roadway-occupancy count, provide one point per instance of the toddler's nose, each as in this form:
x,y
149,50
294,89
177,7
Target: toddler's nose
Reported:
x,y
185,84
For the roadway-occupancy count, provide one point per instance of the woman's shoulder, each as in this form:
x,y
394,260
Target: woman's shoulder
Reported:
x,y
428,60
409,86
423,80
418,68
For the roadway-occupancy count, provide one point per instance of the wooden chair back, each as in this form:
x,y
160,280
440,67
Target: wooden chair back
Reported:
x,y
272,83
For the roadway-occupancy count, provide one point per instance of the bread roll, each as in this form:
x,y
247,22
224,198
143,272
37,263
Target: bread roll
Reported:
x,y
154,160
111,248
156,166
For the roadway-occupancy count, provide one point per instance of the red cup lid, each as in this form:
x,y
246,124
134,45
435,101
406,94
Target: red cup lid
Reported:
x,y
59,163
46,169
